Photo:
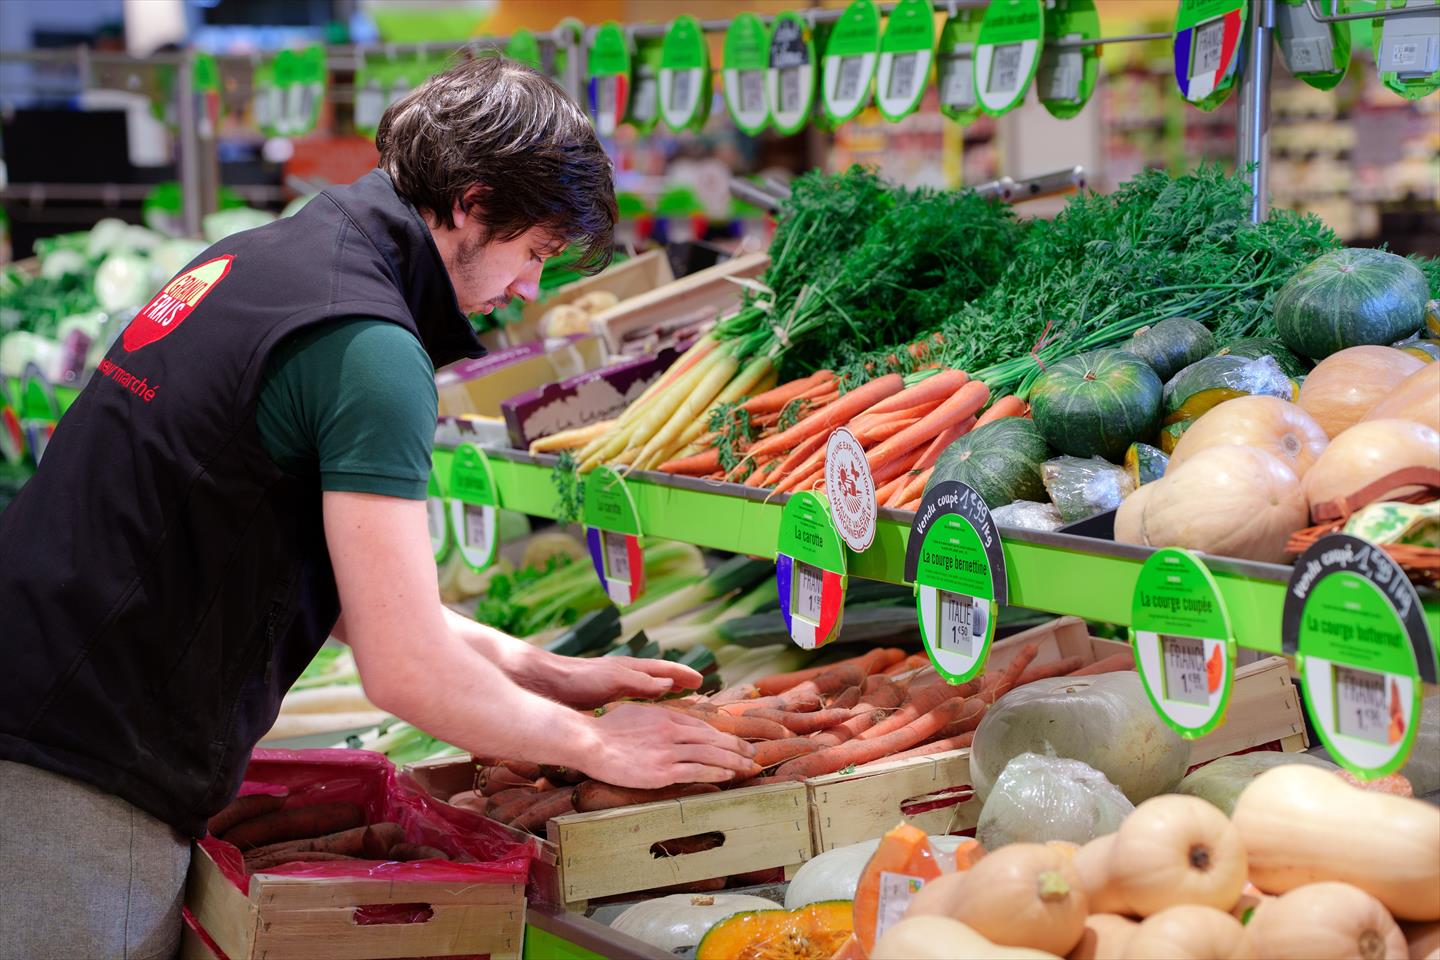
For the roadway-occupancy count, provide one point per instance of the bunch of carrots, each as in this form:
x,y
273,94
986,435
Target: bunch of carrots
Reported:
x,y
880,706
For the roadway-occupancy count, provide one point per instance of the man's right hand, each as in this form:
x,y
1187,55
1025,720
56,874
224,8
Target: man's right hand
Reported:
x,y
651,747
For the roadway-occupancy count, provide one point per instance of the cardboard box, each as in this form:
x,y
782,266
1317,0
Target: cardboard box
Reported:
x,y
691,301
479,386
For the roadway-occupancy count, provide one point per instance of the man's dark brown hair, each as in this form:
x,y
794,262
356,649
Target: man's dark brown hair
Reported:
x,y
497,124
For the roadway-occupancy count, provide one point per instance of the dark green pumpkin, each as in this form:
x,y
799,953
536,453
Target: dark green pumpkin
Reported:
x,y
1171,345
1348,298
1097,404
1256,347
1145,463
1000,460
1214,380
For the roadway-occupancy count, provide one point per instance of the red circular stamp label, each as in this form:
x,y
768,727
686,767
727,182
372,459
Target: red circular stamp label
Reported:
x,y
169,308
850,488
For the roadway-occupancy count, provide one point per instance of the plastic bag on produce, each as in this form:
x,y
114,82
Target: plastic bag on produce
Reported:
x,y
1423,767
1028,515
1081,488
1049,798
1105,721
1222,781
483,851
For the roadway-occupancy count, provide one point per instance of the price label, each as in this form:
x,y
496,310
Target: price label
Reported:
x,y
1317,53
790,90
479,525
1067,74
644,110
608,66
473,502
956,562
852,72
1407,51
1360,638
1005,69
685,75
957,83
752,92
851,55
790,78
1209,42
1060,74
906,53
1207,49
1007,53
747,59
612,534
435,519
617,556
523,47
1183,644
958,99
810,571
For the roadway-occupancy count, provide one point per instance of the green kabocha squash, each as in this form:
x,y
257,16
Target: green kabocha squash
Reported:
x,y
1432,317
1424,348
1253,348
1171,345
1349,298
1205,383
1000,460
1097,404
1145,463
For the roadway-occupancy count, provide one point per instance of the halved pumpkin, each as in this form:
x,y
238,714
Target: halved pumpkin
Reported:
x,y
813,932
1213,380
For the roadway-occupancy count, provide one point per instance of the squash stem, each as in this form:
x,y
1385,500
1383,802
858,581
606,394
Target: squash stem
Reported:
x,y
1053,886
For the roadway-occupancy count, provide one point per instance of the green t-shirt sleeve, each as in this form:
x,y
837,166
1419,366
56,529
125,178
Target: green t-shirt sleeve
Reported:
x,y
354,401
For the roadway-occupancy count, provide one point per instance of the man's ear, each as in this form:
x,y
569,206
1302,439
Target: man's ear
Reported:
x,y
466,206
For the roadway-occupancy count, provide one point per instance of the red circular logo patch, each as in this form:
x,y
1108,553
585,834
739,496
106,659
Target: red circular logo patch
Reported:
x,y
169,308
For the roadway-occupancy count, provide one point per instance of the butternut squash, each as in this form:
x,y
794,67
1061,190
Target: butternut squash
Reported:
x,y
1190,932
938,898
1128,528
1278,427
1345,385
1327,921
1290,817
1416,398
1177,850
940,938
1105,937
1092,866
1252,899
1365,453
1023,895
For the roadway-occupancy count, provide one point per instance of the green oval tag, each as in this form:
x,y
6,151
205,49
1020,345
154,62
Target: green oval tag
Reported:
x,y
473,502
956,66
684,75
1066,76
644,112
1183,644
1208,40
1407,53
522,47
810,571
568,34
437,519
1011,38
747,56
1317,53
790,73
907,52
608,69
848,66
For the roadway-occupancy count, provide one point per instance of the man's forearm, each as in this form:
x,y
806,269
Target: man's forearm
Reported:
x,y
525,664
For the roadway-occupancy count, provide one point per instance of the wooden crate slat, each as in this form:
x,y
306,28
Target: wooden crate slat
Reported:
x,y
304,893
332,933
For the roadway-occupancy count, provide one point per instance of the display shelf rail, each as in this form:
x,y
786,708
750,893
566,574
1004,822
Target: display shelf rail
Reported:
x,y
1052,572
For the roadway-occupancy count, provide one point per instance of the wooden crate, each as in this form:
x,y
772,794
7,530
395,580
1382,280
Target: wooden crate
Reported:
x,y
285,917
934,792
702,296
626,279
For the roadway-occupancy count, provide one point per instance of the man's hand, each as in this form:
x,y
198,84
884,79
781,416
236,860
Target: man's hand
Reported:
x,y
592,682
650,747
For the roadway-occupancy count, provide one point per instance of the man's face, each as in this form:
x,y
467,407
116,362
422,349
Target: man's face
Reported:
x,y
487,273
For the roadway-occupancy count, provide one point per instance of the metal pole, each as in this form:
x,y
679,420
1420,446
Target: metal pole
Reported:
x,y
1253,142
187,145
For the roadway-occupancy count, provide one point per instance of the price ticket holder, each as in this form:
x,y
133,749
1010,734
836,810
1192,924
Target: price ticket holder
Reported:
x,y
1183,643
907,52
474,504
436,519
685,76
790,73
1011,38
1066,76
747,60
1355,625
956,66
956,562
612,532
608,65
1207,49
848,65
644,112
810,571
1407,49
1317,53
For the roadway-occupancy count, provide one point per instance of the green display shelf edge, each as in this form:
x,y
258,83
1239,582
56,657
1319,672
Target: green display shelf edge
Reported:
x,y
1054,573
544,945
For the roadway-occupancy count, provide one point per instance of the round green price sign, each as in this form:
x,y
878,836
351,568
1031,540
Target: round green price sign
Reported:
x,y
810,571
1008,52
608,68
612,533
790,73
956,66
1066,76
1184,647
906,54
644,111
955,559
1406,52
1317,53
474,503
848,66
436,519
1355,625
524,48
747,57
685,76
1207,49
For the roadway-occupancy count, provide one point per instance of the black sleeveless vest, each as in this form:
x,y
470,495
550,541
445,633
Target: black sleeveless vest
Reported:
x,y
162,581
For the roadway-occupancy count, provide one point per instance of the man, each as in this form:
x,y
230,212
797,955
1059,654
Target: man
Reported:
x,y
245,474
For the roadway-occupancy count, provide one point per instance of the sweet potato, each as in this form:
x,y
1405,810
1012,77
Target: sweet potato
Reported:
x,y
555,804
244,808
295,823
594,795
414,851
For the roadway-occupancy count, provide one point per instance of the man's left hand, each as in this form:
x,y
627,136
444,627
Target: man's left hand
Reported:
x,y
593,682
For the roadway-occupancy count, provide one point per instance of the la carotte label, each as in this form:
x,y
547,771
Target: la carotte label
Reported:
x,y
169,308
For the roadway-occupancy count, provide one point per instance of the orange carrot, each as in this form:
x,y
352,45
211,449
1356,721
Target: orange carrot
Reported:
x,y
860,751
804,452
884,430
996,687
874,709
934,746
802,723
912,662
937,387
847,699
244,808
774,752
885,492
594,795
914,487
693,466
942,440
1055,668
803,479
748,728
1006,406
762,474
911,505
774,399
921,701
294,823
964,403
820,390
556,804
867,420
837,413
900,465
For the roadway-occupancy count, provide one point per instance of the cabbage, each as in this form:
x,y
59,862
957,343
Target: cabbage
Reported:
x,y
170,257
18,349
139,240
106,237
223,223
123,280
91,324
63,263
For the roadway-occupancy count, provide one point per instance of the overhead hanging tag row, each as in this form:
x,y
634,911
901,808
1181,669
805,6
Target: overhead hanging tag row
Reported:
x,y
1407,50
1066,76
524,48
685,76
956,66
608,66
907,52
747,61
644,112
1008,53
790,74
848,65
1316,53
1207,47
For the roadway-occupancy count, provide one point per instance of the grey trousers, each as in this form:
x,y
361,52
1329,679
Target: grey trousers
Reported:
x,y
83,874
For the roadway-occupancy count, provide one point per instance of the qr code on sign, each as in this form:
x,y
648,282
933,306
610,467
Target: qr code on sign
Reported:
x,y
789,90
1005,69
848,86
902,76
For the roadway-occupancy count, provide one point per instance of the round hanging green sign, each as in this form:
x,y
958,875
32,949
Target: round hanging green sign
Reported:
x,y
612,534
644,111
1066,76
790,73
473,506
436,518
810,571
848,65
1316,53
747,57
1407,51
524,48
1183,644
685,75
1008,52
906,54
1208,36
608,68
956,66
